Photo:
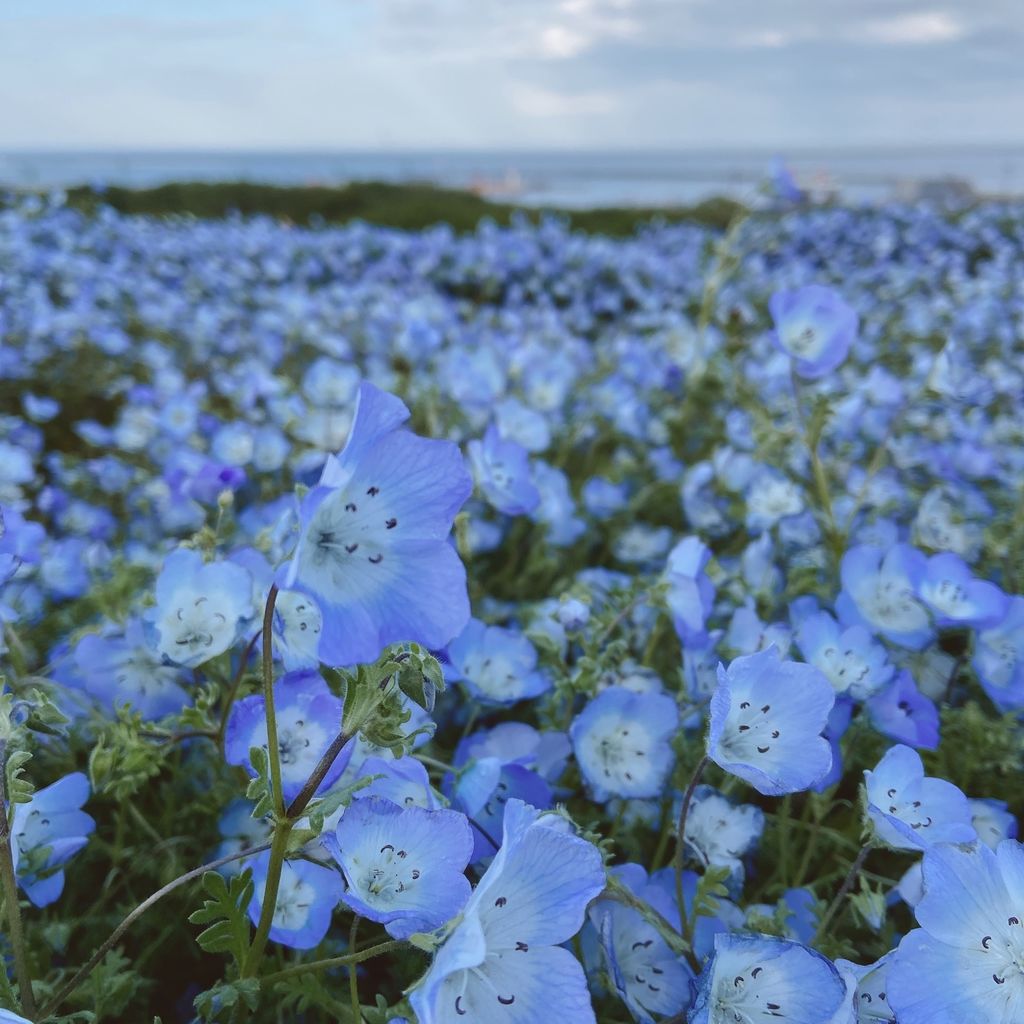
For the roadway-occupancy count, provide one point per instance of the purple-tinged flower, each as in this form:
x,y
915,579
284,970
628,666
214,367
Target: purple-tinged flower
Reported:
x,y
374,550
963,964
912,811
621,740
504,962
880,590
767,718
308,719
958,599
404,866
814,326
901,712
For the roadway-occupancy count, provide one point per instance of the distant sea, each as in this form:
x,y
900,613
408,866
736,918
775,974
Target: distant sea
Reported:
x,y
567,179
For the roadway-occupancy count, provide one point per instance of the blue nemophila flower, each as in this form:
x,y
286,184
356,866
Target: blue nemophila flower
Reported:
x,y
957,598
373,549
621,740
648,977
497,665
770,497
404,865
403,781
200,608
510,761
814,326
308,719
306,900
999,658
849,659
298,624
912,811
757,977
867,990
691,594
880,589
767,718
503,962
992,821
965,962
52,821
903,713
124,668
502,471
720,833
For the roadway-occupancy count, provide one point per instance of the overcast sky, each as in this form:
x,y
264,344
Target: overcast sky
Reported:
x,y
337,74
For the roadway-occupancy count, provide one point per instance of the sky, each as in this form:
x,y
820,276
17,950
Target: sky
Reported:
x,y
508,74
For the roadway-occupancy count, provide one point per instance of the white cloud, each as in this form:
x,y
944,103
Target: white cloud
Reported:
x,y
924,28
562,43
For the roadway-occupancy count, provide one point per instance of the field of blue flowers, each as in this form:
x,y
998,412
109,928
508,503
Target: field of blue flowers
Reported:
x,y
512,627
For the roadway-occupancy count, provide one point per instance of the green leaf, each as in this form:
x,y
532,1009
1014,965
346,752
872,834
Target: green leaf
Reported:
x,y
227,914
260,790
19,788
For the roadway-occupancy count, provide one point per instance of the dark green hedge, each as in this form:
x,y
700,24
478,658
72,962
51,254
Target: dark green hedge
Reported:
x,y
401,206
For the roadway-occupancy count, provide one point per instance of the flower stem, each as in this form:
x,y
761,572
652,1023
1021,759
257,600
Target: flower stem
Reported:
x,y
319,773
83,972
336,961
680,857
353,975
844,889
273,751
9,882
236,681
268,905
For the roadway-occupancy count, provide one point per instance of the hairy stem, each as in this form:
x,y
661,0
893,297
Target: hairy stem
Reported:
x,y
273,751
336,961
268,904
10,888
83,972
353,975
233,689
680,858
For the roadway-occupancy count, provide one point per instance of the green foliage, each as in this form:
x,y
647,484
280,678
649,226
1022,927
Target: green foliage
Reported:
x,y
226,914
19,788
711,888
123,760
420,677
408,206
260,790
111,987
981,753
219,1002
